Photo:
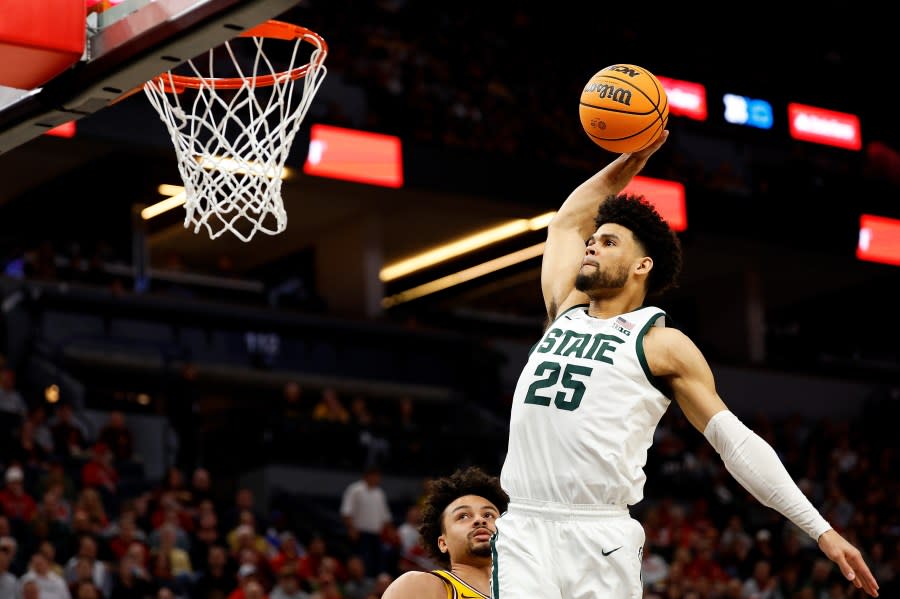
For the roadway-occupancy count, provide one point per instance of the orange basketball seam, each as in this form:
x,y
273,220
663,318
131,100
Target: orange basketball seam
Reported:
x,y
636,133
608,109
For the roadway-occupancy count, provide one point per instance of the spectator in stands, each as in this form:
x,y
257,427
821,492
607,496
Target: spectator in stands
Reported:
x,y
161,570
90,502
246,536
260,565
175,487
169,509
410,537
365,512
50,584
654,567
10,546
87,557
30,590
244,500
124,533
247,575
217,579
254,590
54,513
459,521
789,582
288,586
131,580
48,550
178,559
69,435
11,401
358,585
311,563
116,435
37,415
407,438
762,583
288,553
703,565
27,451
330,409
327,587
291,419
56,475
140,556
206,536
200,490
81,577
382,582
15,501
373,443
8,580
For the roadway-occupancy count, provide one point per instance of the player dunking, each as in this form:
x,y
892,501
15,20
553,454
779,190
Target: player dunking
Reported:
x,y
591,395
458,522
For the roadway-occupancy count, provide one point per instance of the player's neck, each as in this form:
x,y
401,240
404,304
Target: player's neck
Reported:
x,y
608,307
477,577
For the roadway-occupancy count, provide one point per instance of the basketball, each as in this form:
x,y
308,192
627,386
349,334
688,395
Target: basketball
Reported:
x,y
623,108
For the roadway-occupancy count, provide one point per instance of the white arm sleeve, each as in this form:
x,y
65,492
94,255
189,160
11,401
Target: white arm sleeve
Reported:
x,y
755,465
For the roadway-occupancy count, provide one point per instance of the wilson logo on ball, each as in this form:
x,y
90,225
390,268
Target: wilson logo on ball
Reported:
x,y
598,124
605,90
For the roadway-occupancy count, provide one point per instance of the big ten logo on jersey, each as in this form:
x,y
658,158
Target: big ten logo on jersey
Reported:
x,y
598,347
619,95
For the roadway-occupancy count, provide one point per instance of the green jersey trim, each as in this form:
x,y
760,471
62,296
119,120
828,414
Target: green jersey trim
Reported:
x,y
642,358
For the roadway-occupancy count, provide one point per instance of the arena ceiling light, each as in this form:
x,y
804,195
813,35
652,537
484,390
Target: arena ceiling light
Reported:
x,y
485,268
464,245
176,192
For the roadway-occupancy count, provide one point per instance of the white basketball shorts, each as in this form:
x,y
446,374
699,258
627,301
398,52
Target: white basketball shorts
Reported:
x,y
554,551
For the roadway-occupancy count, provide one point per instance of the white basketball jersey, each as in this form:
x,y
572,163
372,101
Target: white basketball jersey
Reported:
x,y
584,412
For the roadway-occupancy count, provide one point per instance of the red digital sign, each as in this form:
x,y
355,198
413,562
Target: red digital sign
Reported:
x,y
818,125
666,196
879,239
64,130
354,155
685,98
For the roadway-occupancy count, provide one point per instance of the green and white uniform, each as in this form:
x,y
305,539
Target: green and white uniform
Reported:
x,y
583,417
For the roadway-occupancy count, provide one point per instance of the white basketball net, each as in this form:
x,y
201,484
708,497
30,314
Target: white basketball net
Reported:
x,y
232,144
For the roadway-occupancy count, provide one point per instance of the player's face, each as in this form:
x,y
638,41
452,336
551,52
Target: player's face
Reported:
x,y
608,259
469,524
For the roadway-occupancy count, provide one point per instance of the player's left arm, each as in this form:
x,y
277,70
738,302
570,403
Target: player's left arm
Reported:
x,y
673,357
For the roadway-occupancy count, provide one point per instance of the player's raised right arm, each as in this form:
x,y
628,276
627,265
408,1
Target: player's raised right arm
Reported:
x,y
574,223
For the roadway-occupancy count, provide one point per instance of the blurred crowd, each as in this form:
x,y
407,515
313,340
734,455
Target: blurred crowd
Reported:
x,y
79,519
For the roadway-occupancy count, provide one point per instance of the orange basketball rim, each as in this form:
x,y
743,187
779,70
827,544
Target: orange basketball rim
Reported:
x,y
271,29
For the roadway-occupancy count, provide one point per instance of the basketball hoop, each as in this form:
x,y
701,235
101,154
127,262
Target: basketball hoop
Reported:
x,y
232,134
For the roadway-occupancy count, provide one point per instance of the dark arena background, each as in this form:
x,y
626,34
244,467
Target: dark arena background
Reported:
x,y
180,414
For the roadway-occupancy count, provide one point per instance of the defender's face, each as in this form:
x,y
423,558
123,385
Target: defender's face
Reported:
x,y
469,522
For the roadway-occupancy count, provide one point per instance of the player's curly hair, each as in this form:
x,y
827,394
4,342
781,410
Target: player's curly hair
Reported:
x,y
660,242
441,492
